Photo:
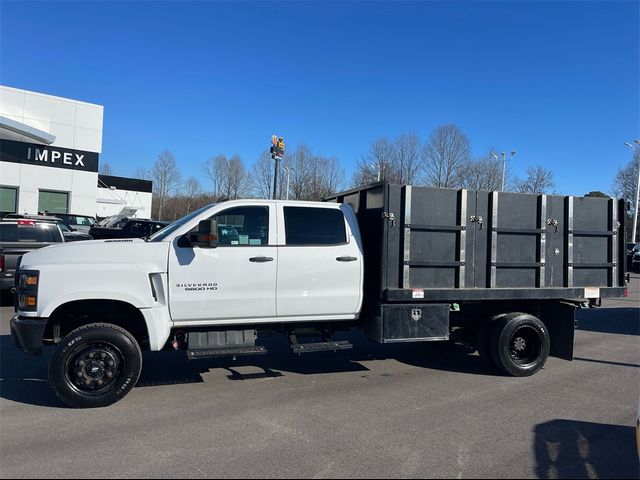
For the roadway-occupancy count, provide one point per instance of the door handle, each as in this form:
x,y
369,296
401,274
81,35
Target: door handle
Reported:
x,y
261,259
346,259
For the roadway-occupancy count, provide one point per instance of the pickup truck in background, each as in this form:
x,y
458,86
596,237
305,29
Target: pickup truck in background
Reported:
x,y
20,236
127,228
501,271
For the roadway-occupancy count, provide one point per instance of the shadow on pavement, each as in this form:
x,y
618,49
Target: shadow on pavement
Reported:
x,y
624,321
24,379
573,449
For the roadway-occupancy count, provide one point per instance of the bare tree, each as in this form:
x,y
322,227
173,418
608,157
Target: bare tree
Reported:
x,y
539,180
191,189
105,169
624,186
405,159
446,153
216,169
376,164
483,173
300,164
311,176
233,184
142,174
261,176
166,178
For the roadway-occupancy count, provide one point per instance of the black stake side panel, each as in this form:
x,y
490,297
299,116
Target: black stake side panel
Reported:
x,y
516,246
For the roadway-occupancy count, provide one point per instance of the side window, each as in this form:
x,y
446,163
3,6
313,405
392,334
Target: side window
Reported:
x,y
47,233
243,226
314,226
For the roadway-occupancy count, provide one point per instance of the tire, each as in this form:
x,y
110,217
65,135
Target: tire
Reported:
x,y
95,365
519,344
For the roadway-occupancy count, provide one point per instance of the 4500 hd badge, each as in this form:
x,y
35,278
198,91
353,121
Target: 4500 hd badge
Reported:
x,y
197,287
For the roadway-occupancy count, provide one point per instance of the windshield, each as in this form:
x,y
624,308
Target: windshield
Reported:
x,y
63,227
169,229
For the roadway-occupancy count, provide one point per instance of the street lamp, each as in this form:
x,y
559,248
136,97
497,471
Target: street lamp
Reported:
x,y
635,217
288,172
377,168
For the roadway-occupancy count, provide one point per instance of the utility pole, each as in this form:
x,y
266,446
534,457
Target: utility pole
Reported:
x,y
288,172
277,153
504,165
635,216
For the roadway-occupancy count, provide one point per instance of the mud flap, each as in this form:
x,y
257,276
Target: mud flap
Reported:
x,y
560,320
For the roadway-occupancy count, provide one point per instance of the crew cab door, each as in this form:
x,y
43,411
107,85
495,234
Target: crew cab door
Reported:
x,y
319,264
234,282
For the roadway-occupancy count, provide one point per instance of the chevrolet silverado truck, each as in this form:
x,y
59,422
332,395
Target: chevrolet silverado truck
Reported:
x,y
501,271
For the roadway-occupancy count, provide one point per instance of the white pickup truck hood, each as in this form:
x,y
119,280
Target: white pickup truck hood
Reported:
x,y
99,269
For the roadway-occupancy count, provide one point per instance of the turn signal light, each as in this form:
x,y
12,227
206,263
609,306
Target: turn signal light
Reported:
x,y
27,301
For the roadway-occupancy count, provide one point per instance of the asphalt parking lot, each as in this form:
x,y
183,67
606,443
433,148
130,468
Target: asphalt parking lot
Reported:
x,y
375,411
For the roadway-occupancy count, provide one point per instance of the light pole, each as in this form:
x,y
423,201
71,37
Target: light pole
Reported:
x,y
635,216
376,167
288,172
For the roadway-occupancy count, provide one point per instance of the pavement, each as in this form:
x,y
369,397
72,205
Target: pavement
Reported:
x,y
414,410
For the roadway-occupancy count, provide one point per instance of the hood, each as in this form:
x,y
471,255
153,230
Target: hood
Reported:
x,y
132,251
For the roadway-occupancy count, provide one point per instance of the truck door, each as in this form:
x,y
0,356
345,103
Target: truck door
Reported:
x,y
319,264
235,281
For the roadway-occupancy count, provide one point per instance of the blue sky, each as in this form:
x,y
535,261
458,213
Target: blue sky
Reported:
x,y
556,81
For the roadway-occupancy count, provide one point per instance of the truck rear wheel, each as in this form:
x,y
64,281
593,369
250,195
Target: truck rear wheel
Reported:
x,y
95,366
519,344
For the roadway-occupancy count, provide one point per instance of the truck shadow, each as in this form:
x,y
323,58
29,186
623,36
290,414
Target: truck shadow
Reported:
x,y
623,321
24,379
574,449
173,367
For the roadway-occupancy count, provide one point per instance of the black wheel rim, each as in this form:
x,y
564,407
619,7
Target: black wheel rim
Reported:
x,y
95,368
525,345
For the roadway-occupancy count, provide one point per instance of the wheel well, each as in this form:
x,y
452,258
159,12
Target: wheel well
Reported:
x,y
72,315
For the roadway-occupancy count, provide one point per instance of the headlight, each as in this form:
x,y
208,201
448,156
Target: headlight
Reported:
x,y
28,280
28,290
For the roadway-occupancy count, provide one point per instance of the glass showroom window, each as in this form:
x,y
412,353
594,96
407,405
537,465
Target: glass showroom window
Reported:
x,y
53,202
8,199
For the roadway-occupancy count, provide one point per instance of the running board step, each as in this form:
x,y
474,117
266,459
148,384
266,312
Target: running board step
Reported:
x,y
320,347
225,352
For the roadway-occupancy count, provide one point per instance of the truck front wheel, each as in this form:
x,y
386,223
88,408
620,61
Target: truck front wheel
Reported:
x,y
519,344
95,366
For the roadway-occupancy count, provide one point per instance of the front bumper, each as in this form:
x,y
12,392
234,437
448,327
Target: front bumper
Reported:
x,y
27,334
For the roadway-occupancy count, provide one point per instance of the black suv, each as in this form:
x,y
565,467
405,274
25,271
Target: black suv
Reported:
x,y
132,228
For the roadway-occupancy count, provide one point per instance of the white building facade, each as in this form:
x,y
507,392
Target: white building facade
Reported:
x,y
49,156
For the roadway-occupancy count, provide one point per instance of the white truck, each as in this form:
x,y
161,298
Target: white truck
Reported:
x,y
402,263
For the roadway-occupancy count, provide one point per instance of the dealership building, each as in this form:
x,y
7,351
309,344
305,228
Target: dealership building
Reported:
x,y
49,160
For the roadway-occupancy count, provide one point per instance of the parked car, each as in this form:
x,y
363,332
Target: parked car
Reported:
x,y
70,233
128,228
629,246
635,261
81,223
20,236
